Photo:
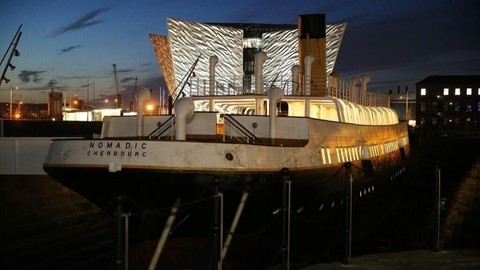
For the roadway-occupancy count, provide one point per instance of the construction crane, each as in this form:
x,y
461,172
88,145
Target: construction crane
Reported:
x,y
118,99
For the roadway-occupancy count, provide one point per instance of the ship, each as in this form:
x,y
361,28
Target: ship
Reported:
x,y
300,143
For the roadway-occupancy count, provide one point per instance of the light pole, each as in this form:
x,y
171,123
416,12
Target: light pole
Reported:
x,y
64,99
11,98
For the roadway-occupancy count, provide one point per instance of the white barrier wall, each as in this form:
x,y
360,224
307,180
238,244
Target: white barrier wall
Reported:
x,y
23,155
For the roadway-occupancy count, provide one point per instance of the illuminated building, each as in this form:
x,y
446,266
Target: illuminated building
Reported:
x,y
235,45
449,104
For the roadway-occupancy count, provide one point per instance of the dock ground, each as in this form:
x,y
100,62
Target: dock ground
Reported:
x,y
415,259
459,243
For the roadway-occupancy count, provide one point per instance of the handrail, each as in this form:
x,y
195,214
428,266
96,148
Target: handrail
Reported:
x,y
241,128
162,128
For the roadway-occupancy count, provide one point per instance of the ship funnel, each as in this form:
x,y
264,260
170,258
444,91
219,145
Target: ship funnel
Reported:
x,y
295,76
213,63
364,79
312,41
260,58
142,96
275,94
308,74
354,81
184,109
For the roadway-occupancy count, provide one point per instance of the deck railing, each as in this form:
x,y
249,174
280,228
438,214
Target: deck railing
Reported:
x,y
238,85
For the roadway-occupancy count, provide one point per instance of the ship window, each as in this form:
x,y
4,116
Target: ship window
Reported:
x,y
328,156
469,91
423,91
322,150
445,91
457,91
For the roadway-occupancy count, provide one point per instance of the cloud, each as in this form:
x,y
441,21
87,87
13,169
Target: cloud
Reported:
x,y
69,48
124,80
85,21
124,70
52,83
30,75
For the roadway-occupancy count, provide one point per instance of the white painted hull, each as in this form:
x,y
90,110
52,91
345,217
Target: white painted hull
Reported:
x,y
99,168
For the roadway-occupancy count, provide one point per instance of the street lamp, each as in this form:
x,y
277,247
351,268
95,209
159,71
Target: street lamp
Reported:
x,y
11,99
149,108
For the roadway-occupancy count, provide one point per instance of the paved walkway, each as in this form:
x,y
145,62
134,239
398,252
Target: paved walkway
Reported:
x,y
411,260
459,238
461,226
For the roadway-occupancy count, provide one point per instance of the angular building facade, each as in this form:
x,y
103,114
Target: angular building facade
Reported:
x,y
235,46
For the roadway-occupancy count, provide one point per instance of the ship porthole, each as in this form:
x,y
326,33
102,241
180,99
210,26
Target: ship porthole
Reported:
x,y
229,156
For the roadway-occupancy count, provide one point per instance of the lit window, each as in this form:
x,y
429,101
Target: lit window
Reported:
x,y
468,108
457,91
469,91
423,91
445,91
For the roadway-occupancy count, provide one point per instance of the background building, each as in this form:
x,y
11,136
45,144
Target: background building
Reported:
x,y
235,45
449,104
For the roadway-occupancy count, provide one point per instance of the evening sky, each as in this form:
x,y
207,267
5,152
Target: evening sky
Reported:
x,y
68,45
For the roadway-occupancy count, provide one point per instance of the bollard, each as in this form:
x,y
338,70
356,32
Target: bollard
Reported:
x,y
287,185
348,211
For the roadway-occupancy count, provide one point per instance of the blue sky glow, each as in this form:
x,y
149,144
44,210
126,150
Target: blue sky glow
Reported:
x,y
67,44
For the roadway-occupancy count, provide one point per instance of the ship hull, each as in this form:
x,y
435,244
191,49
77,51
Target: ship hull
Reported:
x,y
145,177
313,191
